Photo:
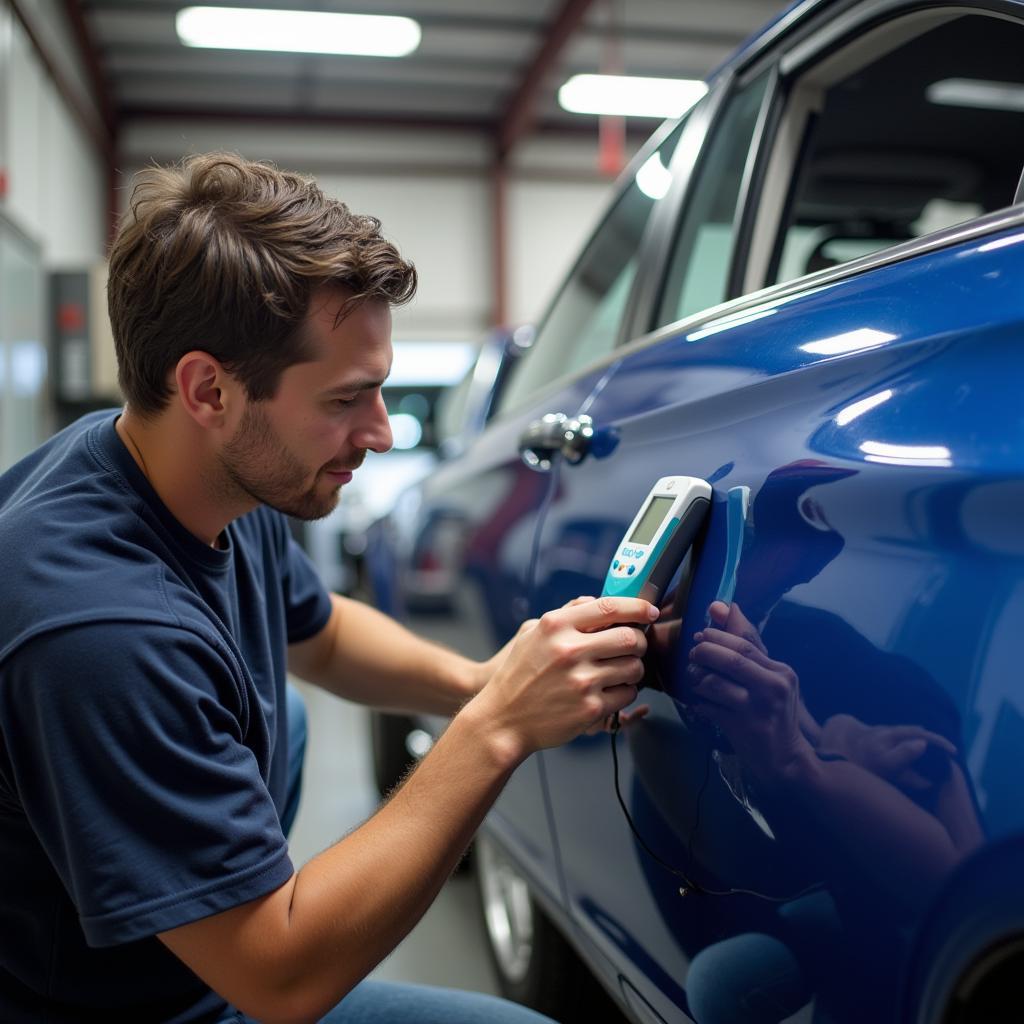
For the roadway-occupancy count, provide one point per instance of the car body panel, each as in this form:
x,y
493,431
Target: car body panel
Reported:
x,y
862,429
883,552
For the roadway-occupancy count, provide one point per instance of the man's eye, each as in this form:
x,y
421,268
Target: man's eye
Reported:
x,y
342,401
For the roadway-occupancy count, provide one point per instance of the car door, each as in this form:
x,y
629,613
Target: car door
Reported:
x,y
834,417
626,908
490,499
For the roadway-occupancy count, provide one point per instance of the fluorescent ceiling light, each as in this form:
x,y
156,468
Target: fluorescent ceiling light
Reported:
x,y
654,178
851,341
975,92
630,96
243,28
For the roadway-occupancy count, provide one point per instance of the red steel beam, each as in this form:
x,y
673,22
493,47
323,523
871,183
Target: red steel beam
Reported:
x,y
105,102
90,125
521,110
91,58
517,120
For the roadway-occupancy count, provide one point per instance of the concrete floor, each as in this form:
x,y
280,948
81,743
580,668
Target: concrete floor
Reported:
x,y
447,947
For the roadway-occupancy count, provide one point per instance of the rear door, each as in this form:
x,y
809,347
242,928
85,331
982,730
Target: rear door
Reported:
x,y
491,502
625,907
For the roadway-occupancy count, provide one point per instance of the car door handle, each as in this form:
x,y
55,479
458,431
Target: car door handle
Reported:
x,y
556,433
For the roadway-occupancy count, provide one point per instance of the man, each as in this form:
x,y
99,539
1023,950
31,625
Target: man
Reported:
x,y
153,601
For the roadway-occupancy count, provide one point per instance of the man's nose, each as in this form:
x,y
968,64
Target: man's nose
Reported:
x,y
375,433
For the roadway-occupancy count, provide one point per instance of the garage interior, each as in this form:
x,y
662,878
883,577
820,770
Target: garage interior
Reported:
x,y
461,149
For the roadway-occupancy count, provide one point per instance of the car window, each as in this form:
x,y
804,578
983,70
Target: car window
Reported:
x,y
909,140
700,260
584,320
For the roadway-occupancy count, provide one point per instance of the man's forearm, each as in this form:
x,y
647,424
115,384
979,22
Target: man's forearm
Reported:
x,y
307,944
383,877
295,952
374,660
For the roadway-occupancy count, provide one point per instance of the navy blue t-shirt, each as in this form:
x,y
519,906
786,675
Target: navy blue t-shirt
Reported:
x,y
142,737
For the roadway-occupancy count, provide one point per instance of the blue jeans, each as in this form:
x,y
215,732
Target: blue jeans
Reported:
x,y
386,1002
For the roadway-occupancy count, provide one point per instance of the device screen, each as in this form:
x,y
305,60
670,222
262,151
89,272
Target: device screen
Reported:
x,y
651,520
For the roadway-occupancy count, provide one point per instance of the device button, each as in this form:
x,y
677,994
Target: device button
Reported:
x,y
615,564
631,570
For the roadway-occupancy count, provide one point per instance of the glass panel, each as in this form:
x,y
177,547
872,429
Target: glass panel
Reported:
x,y
583,323
698,273
927,136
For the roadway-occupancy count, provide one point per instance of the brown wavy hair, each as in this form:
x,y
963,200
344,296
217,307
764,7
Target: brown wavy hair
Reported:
x,y
222,254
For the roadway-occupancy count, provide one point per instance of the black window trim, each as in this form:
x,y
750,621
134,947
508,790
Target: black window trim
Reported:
x,y
835,30
988,224
685,178
809,43
698,120
772,106
659,236
829,32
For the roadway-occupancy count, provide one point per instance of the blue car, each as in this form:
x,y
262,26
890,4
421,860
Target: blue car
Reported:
x,y
805,293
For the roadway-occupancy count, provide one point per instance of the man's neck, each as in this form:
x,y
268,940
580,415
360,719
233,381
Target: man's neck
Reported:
x,y
174,459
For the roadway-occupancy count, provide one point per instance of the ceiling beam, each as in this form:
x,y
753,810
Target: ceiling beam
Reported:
x,y
579,128
520,112
87,119
104,102
301,117
93,66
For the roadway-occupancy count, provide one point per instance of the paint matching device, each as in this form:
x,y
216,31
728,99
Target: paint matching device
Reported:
x,y
658,538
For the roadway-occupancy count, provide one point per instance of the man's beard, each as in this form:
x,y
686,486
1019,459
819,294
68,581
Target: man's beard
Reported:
x,y
257,464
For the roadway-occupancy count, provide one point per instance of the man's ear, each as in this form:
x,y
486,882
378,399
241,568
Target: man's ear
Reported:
x,y
205,389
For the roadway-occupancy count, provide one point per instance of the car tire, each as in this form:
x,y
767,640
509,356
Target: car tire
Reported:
x,y
534,963
971,955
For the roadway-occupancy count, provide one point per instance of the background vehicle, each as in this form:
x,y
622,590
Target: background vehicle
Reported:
x,y
418,397
806,293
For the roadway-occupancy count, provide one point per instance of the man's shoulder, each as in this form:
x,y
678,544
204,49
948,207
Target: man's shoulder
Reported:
x,y
73,546
59,479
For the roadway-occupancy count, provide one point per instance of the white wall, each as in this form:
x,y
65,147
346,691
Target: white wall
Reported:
x,y
55,175
52,209
432,191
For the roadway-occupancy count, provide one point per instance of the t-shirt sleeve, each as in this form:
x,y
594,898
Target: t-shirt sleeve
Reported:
x,y
127,743
307,603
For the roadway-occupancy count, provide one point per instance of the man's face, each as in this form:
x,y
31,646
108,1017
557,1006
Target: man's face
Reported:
x,y
295,451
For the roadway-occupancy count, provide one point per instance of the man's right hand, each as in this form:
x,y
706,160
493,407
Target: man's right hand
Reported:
x,y
573,668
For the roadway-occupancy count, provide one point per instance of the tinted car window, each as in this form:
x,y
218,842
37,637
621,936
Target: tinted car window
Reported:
x,y
928,135
703,249
583,323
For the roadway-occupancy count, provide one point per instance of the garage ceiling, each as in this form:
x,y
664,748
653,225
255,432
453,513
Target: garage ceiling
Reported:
x,y
482,64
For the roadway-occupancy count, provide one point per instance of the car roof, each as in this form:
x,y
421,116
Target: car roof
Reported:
x,y
785,20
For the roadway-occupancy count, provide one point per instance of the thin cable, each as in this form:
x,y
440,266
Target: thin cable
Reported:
x,y
690,886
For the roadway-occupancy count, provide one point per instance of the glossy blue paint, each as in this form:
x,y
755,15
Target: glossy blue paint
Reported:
x,y
865,441
879,561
